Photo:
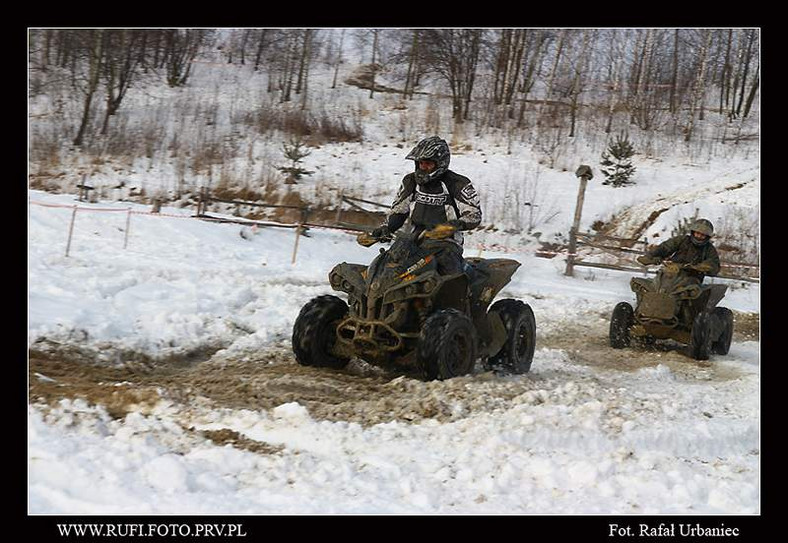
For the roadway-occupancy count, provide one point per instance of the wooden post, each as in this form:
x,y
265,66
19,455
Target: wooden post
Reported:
x,y
584,173
128,225
339,206
71,229
295,247
201,201
299,229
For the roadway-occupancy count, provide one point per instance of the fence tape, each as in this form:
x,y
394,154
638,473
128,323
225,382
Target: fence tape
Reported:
x,y
478,247
111,209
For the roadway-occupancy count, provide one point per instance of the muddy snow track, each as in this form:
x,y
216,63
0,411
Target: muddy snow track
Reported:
x,y
359,393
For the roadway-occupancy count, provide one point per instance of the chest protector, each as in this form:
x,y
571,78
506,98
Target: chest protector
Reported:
x,y
432,204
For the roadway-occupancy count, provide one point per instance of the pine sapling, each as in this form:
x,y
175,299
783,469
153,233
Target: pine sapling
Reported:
x,y
617,162
294,152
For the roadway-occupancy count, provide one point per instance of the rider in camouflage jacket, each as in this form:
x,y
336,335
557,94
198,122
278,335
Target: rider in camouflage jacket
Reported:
x,y
695,251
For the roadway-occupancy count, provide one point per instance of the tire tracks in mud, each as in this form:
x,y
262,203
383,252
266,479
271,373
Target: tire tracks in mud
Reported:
x,y
589,346
358,394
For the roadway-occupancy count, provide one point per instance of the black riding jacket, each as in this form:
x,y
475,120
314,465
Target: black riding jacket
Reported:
x,y
450,198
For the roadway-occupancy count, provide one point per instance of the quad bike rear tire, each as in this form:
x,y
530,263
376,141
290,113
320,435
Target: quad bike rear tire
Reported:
x,y
701,336
447,345
621,325
314,332
724,317
517,353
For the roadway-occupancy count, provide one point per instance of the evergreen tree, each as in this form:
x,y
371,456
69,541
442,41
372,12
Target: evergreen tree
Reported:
x,y
616,162
295,153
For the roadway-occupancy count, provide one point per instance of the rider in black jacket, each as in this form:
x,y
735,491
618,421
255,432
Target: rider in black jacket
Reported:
x,y
435,199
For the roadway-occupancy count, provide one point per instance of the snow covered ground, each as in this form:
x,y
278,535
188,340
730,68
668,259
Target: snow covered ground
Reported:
x,y
588,431
567,438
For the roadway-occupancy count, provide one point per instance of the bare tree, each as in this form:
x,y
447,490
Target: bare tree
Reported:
x,y
674,79
338,59
304,61
412,79
725,78
375,39
94,43
699,84
454,55
509,56
262,43
531,67
750,37
580,68
554,70
120,66
615,72
640,79
753,91
181,47
287,60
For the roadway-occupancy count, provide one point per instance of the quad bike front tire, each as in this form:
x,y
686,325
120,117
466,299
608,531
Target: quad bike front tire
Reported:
x,y
447,345
517,353
724,317
314,332
621,325
701,336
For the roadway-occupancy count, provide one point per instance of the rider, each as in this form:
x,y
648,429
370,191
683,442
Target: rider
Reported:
x,y
436,200
695,251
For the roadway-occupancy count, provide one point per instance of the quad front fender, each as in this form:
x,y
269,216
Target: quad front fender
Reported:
x,y
348,278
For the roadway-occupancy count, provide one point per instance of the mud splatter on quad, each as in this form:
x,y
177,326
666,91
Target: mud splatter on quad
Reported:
x,y
674,307
401,313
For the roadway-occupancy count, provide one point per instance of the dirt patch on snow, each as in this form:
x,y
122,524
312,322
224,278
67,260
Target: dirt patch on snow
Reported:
x,y
589,345
232,438
359,394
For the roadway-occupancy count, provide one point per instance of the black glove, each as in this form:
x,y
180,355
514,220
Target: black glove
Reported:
x,y
381,232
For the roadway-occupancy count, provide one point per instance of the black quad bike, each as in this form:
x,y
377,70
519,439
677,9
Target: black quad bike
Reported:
x,y
402,314
672,306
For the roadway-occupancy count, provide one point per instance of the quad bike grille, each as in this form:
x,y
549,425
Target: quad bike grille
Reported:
x,y
368,336
655,306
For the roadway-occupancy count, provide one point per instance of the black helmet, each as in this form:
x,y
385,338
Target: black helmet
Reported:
x,y
704,227
434,149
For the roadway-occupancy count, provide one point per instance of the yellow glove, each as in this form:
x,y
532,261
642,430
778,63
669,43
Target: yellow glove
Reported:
x,y
441,231
366,239
700,267
646,260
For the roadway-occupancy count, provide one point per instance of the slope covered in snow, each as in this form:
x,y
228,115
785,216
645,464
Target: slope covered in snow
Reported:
x,y
162,381
587,431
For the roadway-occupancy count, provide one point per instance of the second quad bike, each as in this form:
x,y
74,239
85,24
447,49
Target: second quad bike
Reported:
x,y
402,314
673,306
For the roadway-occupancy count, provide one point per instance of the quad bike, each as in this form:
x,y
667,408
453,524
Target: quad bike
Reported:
x,y
673,306
402,314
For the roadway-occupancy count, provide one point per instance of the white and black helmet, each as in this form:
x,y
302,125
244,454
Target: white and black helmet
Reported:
x,y
435,149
